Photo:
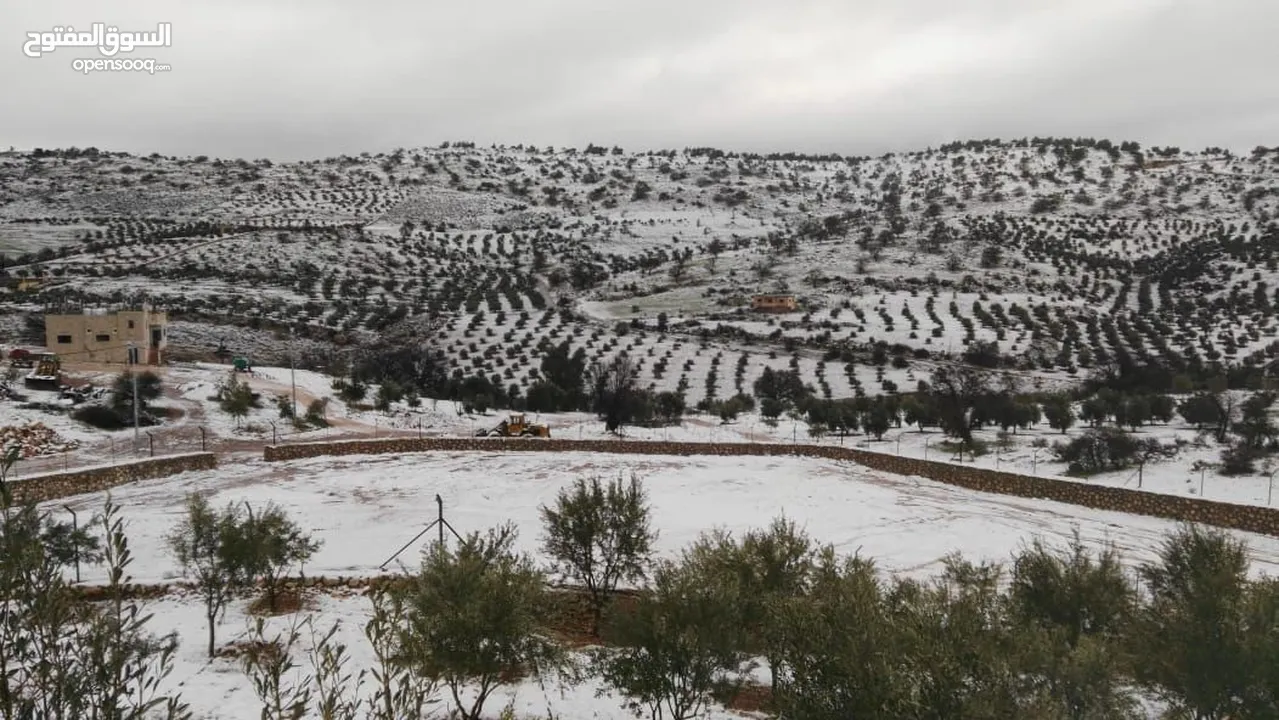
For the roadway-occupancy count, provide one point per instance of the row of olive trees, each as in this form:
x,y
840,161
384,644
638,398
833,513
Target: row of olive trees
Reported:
x,y
1060,633
473,619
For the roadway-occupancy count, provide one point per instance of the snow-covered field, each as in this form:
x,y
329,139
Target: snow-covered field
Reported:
x,y
366,508
1178,476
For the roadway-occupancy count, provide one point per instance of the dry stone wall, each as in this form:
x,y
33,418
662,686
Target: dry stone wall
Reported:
x,y
1227,515
330,585
95,479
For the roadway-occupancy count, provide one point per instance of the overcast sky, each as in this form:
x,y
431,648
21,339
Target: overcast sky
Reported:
x,y
290,79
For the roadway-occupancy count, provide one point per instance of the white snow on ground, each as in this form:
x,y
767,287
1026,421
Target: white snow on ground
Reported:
x,y
219,689
12,413
364,508
190,387
1173,477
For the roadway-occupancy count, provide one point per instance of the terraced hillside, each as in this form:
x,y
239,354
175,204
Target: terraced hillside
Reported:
x,y
1044,257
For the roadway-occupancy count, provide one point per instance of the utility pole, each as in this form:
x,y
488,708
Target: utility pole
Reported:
x,y
439,518
294,381
75,528
133,374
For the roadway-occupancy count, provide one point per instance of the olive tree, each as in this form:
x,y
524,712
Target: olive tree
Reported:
x,y
599,534
474,616
1075,608
215,549
766,570
675,645
843,653
275,543
62,657
1190,637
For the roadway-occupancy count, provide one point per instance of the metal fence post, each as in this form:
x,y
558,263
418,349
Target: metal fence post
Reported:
x,y
75,528
203,448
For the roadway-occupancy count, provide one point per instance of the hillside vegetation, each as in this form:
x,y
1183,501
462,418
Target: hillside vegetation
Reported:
x,y
1046,256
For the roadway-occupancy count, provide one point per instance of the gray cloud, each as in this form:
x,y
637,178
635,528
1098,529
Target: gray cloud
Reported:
x,y
290,78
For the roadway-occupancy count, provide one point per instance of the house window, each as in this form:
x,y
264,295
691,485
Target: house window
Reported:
x,y
130,324
64,339
102,337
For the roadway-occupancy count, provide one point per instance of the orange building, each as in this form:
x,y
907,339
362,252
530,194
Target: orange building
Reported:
x,y
774,303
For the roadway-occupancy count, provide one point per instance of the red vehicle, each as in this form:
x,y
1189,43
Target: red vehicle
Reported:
x,y
21,357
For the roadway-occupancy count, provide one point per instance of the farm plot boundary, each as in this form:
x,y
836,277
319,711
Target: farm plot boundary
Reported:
x,y
1248,518
51,486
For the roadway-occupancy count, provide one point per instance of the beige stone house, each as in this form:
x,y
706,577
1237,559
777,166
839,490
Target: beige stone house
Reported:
x,y
774,303
138,336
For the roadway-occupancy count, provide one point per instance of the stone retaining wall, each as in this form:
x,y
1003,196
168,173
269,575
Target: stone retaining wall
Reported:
x,y
1228,515
150,591
51,486
336,585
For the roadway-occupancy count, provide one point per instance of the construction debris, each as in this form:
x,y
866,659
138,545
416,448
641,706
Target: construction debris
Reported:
x,y
34,439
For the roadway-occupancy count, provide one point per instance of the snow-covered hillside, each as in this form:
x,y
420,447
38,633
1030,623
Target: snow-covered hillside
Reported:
x,y
1042,260
1064,254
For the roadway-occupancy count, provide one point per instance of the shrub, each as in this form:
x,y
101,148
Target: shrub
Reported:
x,y
1239,459
149,388
284,404
1046,204
317,413
1097,451
729,409
102,417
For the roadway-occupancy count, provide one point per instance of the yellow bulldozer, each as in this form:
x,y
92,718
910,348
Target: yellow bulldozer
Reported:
x,y
516,426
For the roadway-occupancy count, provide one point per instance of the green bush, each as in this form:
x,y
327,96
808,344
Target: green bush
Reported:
x,y
1097,451
106,418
